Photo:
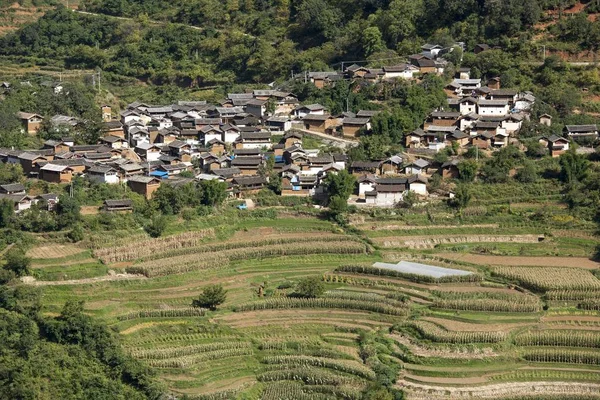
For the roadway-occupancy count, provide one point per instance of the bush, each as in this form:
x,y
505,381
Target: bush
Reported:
x,y
76,234
310,287
211,297
17,262
156,226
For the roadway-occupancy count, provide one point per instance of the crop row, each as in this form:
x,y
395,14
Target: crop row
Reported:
x,y
515,296
167,313
296,391
436,334
188,361
374,283
215,247
172,352
285,302
348,366
573,295
562,356
308,375
589,305
571,338
368,270
493,305
363,296
546,278
193,262
135,250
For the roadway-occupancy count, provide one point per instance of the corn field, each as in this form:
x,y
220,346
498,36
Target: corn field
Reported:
x,y
486,301
167,313
216,247
348,366
193,262
572,295
285,302
172,352
570,338
375,284
296,391
136,250
363,296
562,356
368,270
225,395
436,334
191,360
589,305
546,278
308,375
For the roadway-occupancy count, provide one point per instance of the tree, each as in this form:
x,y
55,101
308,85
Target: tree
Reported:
x,y
168,200
68,212
310,287
467,170
340,185
528,173
17,262
211,297
372,41
156,226
213,192
7,211
574,167
409,199
462,197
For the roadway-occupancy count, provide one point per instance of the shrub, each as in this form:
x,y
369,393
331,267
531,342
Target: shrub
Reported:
x,y
310,287
211,297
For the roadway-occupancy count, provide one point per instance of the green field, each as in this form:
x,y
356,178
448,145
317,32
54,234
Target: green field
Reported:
x,y
402,332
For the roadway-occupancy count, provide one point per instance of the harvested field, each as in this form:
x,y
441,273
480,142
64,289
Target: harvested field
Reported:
x,y
54,251
377,226
568,262
114,277
429,392
428,242
452,325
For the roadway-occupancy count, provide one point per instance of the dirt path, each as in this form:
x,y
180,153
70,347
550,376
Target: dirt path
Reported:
x,y
569,262
29,280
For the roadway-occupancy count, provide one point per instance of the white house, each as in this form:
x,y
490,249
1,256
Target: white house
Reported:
x,y
302,111
103,174
230,133
417,184
492,107
416,167
467,105
20,202
400,71
366,183
211,132
149,152
513,123
279,124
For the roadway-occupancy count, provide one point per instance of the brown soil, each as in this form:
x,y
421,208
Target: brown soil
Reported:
x,y
54,251
116,277
474,380
466,327
500,390
420,242
89,210
569,262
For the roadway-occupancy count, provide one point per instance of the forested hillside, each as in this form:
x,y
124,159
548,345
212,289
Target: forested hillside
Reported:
x,y
198,44
67,357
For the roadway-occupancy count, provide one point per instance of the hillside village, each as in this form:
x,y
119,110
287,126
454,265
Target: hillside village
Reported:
x,y
249,136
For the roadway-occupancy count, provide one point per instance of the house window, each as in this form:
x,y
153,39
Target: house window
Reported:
x,y
296,188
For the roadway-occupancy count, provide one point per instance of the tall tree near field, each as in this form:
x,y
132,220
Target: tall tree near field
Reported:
x,y
340,185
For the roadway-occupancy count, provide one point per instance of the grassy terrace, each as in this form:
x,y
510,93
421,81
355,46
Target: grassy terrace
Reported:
x,y
466,335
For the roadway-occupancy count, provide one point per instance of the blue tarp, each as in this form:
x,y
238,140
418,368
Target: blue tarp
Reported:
x,y
159,174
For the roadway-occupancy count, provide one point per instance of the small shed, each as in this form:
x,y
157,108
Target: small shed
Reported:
x,y
124,205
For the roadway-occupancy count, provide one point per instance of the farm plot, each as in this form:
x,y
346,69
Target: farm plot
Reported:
x,y
54,251
428,242
544,279
568,262
407,267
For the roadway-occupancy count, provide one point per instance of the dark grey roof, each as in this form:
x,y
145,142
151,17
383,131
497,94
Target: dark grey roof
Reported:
x,y
581,128
227,172
246,161
356,121
255,135
249,180
12,187
365,164
118,203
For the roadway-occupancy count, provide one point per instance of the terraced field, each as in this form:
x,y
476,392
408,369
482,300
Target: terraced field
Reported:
x,y
502,331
